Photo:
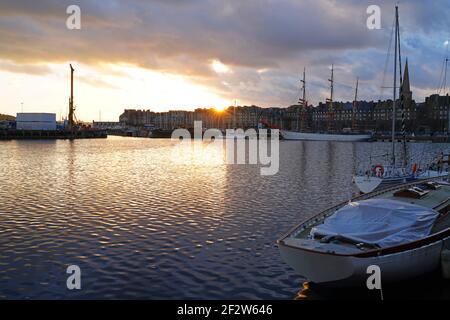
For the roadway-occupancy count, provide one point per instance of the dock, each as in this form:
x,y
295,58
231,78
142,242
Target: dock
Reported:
x,y
10,134
418,138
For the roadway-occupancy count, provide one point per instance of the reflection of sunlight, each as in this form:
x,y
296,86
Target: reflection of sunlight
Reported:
x,y
199,153
303,293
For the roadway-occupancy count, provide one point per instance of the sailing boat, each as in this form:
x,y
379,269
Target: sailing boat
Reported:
x,y
314,136
380,176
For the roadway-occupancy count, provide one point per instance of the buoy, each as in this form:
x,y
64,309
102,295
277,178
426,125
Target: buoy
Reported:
x,y
445,262
378,171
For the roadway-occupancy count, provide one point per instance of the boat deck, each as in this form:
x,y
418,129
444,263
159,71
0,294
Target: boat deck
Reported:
x,y
434,199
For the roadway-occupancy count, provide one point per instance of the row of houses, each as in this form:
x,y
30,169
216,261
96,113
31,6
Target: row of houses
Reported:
x,y
429,116
231,117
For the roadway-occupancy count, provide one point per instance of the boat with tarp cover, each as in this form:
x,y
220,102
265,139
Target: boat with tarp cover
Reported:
x,y
402,230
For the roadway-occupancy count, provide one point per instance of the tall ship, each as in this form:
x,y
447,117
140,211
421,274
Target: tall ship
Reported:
x,y
327,136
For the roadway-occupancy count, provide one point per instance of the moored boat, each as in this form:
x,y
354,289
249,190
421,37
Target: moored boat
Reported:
x,y
402,230
348,137
381,176
318,136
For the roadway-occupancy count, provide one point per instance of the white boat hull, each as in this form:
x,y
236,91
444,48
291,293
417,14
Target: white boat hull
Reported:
x,y
432,174
293,135
344,270
367,184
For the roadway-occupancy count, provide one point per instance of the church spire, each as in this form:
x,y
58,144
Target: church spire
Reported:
x,y
406,89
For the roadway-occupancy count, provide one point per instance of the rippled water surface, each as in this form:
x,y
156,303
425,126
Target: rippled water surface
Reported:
x,y
142,225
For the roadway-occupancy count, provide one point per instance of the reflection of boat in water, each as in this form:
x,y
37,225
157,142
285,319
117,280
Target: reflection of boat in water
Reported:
x,y
425,287
402,230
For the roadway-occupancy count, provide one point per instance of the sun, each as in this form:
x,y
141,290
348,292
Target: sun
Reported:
x,y
219,109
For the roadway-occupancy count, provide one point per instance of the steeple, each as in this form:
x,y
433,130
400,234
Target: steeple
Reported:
x,y
406,89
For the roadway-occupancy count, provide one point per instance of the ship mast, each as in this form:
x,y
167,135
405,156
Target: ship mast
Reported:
x,y
395,87
444,79
401,92
302,101
442,86
71,105
330,100
354,106
447,100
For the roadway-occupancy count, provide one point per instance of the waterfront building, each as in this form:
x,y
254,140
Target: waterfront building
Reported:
x,y
248,116
36,121
382,116
132,117
435,112
343,116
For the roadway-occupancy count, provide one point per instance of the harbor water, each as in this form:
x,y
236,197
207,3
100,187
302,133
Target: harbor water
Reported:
x,y
140,224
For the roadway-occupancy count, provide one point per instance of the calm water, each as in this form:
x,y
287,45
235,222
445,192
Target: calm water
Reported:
x,y
141,225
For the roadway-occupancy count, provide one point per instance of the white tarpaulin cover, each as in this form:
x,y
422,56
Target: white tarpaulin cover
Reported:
x,y
379,222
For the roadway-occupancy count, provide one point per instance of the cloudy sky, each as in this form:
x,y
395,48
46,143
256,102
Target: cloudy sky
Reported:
x,y
182,54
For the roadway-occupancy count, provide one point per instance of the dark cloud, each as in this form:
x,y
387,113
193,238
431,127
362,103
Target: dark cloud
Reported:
x,y
280,36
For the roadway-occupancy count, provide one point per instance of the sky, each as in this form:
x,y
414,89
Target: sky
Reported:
x,y
183,54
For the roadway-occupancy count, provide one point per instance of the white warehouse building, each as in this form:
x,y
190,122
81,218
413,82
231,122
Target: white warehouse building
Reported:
x,y
36,121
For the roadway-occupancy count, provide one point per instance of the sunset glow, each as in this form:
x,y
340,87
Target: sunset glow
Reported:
x,y
104,90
